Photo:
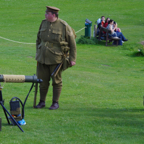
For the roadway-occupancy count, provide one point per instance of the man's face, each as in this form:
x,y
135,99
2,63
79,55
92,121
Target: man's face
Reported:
x,y
49,16
103,18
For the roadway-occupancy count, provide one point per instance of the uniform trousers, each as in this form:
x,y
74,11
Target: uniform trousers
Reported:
x,y
44,72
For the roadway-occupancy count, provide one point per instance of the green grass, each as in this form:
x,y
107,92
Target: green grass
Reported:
x,y
102,96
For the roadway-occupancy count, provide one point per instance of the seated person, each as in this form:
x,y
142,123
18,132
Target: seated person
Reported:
x,y
115,34
98,21
106,22
101,24
116,28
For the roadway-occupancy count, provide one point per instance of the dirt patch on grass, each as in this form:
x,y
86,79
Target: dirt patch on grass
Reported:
x,y
142,42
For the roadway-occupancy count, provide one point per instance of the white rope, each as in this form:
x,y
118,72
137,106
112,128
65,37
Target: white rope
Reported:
x,y
80,30
30,43
15,41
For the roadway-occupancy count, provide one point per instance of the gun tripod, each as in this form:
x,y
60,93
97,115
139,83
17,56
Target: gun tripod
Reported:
x,y
20,79
6,111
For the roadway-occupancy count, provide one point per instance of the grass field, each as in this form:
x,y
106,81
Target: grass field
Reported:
x,y
102,96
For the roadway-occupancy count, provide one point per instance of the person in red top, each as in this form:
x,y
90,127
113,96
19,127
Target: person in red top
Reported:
x,y
101,24
106,22
102,21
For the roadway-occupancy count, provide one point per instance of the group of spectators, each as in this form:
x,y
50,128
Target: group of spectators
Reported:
x,y
112,26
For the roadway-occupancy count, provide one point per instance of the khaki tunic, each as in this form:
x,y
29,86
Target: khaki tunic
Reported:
x,y
49,52
49,37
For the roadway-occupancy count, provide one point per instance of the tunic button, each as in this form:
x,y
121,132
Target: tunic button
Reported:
x,y
49,29
48,35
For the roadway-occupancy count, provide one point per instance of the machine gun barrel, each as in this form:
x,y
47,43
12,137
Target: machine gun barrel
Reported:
x,y
19,79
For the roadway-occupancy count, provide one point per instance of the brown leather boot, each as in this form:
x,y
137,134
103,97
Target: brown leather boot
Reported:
x,y
43,94
40,105
56,95
54,106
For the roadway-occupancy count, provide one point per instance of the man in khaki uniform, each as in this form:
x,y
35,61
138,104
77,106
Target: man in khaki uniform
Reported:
x,y
55,39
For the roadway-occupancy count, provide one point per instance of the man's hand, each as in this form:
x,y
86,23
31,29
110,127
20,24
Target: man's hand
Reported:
x,y
72,63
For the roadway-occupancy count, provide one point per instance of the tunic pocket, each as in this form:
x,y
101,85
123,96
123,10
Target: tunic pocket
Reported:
x,y
40,53
43,34
56,35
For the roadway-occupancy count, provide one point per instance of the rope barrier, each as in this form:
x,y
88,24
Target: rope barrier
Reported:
x,y
80,30
15,41
31,43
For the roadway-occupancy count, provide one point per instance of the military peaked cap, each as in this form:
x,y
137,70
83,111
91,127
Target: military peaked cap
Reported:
x,y
52,9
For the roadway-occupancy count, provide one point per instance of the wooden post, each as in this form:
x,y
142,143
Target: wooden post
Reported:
x,y
36,89
95,30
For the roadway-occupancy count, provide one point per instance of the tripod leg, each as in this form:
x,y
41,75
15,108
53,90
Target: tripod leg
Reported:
x,y
11,117
6,116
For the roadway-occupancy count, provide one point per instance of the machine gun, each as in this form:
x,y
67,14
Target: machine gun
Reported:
x,y
16,79
19,79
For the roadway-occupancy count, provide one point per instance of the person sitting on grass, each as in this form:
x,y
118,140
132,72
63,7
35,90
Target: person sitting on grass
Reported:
x,y
115,34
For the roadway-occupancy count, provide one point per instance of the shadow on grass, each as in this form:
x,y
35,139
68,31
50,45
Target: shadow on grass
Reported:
x,y
103,43
137,54
129,119
132,117
7,125
95,111
121,121
123,114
